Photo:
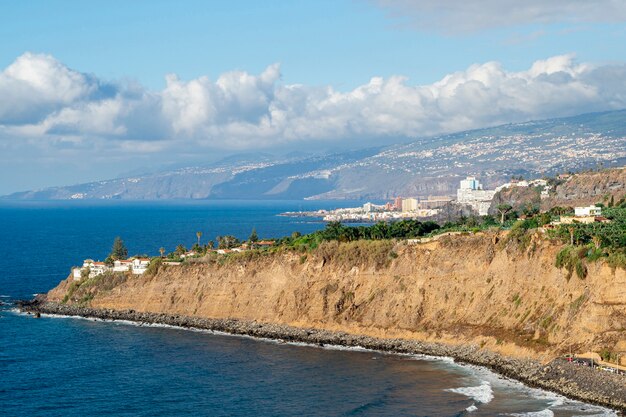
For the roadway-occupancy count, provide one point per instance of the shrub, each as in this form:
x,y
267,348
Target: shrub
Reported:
x,y
360,252
572,259
617,259
154,266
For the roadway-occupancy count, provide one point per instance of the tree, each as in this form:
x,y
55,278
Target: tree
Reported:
x,y
198,235
253,236
503,209
210,245
162,251
119,250
181,250
227,242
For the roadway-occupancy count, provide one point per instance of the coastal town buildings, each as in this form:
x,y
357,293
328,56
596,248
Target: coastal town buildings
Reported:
x,y
471,192
122,265
545,188
409,204
397,203
435,202
91,268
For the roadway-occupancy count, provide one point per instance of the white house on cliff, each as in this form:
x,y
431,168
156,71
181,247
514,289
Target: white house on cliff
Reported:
x,y
135,265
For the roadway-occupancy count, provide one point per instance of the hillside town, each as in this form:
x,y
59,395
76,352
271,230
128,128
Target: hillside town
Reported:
x,y
470,193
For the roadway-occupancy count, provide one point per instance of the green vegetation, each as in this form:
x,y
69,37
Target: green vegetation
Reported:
x,y
335,231
119,250
503,209
154,266
593,241
84,291
571,258
577,303
359,252
373,244
517,300
254,237
227,242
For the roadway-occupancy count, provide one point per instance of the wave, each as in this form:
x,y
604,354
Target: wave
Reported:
x,y
542,413
482,393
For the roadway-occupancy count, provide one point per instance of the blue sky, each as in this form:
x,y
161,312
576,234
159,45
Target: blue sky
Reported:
x,y
89,81
340,42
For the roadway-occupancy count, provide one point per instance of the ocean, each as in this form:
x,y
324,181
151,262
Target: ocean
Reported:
x,y
60,366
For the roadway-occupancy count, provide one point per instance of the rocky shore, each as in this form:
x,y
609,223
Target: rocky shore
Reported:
x,y
560,376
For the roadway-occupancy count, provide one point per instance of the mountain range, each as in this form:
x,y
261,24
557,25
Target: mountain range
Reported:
x,y
423,167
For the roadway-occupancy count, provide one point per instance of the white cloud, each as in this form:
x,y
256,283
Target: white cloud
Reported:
x,y
35,85
58,106
454,16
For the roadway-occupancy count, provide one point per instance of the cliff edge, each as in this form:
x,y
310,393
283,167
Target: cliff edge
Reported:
x,y
483,289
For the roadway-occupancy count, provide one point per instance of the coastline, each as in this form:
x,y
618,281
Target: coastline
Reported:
x,y
559,376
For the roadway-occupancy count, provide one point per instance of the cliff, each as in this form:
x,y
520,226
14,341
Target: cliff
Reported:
x,y
589,188
482,289
581,189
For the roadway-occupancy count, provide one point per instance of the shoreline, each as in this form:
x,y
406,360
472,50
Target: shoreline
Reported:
x,y
558,376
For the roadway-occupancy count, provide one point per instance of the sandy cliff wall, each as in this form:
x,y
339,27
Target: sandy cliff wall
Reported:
x,y
458,289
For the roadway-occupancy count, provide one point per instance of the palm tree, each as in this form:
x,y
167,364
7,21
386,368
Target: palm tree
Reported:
x,y
198,235
503,209
162,250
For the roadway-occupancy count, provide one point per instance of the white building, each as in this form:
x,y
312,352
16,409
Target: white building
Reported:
x,y
409,204
94,268
140,265
137,266
471,193
368,207
122,265
587,211
471,183
77,273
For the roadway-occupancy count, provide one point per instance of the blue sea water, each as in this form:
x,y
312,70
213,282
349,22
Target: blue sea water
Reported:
x,y
76,367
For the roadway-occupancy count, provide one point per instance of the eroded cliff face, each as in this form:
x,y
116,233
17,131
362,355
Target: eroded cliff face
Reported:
x,y
590,188
457,289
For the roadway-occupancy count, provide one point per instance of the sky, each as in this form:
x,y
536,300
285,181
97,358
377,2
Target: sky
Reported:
x,y
91,90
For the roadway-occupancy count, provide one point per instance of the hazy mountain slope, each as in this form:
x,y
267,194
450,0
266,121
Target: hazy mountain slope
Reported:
x,y
424,167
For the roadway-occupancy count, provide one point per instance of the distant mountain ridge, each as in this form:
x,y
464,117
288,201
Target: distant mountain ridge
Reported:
x,y
428,166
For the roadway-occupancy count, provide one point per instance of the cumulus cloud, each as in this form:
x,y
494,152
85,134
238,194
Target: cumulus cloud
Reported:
x,y
35,85
51,103
466,16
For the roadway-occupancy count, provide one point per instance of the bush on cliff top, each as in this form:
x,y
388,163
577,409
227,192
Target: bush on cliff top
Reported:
x,y
361,252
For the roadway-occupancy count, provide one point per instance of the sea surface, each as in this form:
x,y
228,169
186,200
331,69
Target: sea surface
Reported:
x,y
60,366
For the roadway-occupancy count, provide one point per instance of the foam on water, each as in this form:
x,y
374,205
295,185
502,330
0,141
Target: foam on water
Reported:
x,y
482,393
542,413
